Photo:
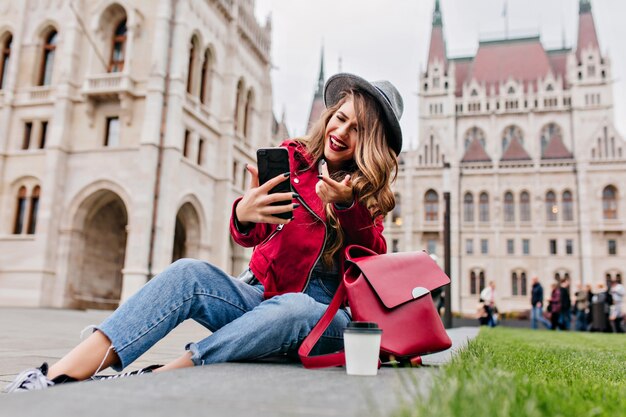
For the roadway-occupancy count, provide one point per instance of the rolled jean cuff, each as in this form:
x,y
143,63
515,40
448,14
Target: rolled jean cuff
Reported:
x,y
196,358
118,367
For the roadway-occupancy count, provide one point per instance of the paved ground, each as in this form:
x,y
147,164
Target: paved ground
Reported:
x,y
31,336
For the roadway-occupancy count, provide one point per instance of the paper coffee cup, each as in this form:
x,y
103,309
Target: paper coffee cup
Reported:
x,y
361,341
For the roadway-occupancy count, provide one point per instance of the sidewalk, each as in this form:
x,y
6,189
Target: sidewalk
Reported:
x,y
31,336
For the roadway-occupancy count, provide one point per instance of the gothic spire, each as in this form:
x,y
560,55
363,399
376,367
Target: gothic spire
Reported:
x,y
321,80
437,49
587,35
437,18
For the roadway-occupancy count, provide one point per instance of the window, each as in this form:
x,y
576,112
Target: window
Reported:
x,y
474,133
431,206
238,104
569,246
509,207
201,152
484,246
481,281
394,245
469,246
193,51
483,207
186,143
116,62
396,213
34,208
551,207
248,113
20,211
552,246
473,283
524,206
47,62
609,202
468,208
568,206
205,76
112,134
431,244
28,130
510,246
5,54
510,133
547,133
612,247
43,134
526,246
518,283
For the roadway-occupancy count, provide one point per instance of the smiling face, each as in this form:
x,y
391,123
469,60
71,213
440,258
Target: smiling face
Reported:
x,y
340,137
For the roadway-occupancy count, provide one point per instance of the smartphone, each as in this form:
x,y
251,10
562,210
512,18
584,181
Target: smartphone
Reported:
x,y
272,162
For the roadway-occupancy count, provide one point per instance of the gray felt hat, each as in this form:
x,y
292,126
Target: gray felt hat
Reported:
x,y
383,91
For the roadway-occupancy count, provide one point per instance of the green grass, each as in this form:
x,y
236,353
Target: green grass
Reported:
x,y
519,372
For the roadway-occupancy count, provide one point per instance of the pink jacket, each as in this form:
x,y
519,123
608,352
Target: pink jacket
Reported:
x,y
284,257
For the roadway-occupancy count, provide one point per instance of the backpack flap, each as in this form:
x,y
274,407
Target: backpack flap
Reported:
x,y
401,277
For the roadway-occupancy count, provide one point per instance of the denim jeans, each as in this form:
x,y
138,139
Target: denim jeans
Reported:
x,y
245,326
536,314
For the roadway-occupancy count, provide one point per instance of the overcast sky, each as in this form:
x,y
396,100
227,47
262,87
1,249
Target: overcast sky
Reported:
x,y
388,39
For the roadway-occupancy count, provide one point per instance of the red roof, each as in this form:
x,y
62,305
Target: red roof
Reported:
x,y
437,50
558,61
556,149
475,152
462,67
587,36
520,59
515,152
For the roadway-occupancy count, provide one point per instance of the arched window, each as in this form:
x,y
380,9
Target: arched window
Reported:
x,y
552,208
568,206
514,283
431,206
523,284
396,213
205,76
468,207
248,113
116,63
5,54
609,202
483,207
20,211
524,206
474,133
509,207
47,62
191,67
548,131
473,283
34,208
238,104
481,281
509,134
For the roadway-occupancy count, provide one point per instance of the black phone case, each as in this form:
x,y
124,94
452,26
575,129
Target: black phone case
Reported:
x,y
272,162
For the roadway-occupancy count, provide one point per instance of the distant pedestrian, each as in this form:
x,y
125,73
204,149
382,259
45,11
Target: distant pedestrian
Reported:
x,y
536,303
554,305
581,307
615,312
565,317
600,305
488,295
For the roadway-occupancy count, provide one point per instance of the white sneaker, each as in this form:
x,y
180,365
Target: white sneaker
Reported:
x,y
30,379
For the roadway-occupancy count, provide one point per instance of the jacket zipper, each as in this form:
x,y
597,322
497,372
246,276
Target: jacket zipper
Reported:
x,y
271,236
308,279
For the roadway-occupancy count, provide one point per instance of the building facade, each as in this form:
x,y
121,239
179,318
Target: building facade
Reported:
x,y
125,127
523,139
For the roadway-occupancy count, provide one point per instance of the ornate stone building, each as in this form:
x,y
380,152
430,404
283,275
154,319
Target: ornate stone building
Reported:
x,y
536,168
125,127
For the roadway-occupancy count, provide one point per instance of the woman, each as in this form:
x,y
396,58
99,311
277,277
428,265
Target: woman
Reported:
x,y
341,175
554,306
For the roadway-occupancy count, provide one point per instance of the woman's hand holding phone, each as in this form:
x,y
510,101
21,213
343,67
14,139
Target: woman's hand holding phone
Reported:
x,y
255,206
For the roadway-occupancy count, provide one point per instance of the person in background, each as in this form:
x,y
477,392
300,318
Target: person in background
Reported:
x,y
615,313
554,306
601,302
581,307
588,315
566,306
536,302
488,295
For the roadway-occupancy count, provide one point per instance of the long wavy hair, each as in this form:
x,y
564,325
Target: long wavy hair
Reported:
x,y
372,170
